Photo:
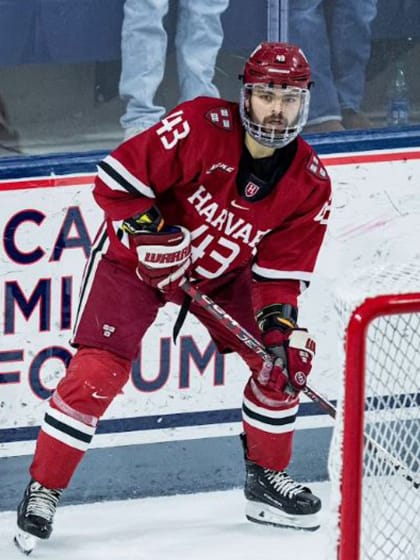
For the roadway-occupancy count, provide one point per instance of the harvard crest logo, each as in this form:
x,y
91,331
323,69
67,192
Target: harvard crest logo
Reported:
x,y
220,117
315,167
251,189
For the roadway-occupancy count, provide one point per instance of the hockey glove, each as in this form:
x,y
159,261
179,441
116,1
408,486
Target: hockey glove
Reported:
x,y
292,349
292,353
164,253
164,256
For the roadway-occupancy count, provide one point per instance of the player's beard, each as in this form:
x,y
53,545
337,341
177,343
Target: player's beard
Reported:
x,y
277,122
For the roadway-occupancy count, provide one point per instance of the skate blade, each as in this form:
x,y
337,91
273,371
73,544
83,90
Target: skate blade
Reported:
x,y
267,515
25,542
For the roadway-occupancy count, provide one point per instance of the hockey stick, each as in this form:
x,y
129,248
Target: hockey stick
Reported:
x,y
246,338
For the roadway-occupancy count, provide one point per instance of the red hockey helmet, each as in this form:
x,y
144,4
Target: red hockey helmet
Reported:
x,y
279,64
282,67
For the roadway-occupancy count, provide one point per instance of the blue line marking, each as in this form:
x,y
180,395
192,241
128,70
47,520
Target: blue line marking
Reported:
x,y
157,422
19,167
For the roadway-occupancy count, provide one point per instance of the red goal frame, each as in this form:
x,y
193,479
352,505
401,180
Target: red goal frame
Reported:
x,y
352,470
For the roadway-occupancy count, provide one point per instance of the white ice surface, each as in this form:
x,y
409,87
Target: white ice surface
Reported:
x,y
207,526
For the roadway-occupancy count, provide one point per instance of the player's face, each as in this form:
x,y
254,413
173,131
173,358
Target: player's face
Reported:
x,y
273,115
274,107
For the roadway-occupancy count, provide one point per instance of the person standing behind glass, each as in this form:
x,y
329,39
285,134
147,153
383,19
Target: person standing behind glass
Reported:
x,y
9,138
336,36
199,36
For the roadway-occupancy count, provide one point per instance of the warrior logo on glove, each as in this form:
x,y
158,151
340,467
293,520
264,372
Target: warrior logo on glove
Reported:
x,y
154,258
164,257
164,252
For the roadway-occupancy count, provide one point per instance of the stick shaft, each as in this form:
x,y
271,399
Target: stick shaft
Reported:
x,y
247,338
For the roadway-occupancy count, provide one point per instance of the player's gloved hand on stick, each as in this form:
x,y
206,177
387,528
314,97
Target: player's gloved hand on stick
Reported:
x,y
164,252
293,350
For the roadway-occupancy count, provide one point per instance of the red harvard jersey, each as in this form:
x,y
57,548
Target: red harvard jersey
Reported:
x,y
187,165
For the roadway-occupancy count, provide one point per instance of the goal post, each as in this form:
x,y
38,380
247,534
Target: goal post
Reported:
x,y
375,452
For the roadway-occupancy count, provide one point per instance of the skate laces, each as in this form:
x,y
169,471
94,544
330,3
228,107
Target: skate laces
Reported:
x,y
283,483
42,501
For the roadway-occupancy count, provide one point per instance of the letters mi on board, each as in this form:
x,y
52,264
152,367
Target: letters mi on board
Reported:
x,y
23,304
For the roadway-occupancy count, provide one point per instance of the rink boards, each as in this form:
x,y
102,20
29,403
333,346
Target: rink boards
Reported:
x,y
175,428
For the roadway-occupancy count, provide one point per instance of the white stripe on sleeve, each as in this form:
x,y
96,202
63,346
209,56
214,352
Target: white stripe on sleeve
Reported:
x,y
125,174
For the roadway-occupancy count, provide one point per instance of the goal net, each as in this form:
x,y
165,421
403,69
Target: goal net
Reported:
x,y
375,451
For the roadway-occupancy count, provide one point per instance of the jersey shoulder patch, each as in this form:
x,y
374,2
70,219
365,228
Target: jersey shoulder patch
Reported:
x,y
220,117
315,167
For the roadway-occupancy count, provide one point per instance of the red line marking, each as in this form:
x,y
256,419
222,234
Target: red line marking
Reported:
x,y
46,182
88,180
369,158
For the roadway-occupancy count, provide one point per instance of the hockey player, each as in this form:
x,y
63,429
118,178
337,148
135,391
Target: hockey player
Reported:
x,y
230,196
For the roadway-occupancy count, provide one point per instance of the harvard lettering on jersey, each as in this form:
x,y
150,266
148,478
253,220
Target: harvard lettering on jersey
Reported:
x,y
187,165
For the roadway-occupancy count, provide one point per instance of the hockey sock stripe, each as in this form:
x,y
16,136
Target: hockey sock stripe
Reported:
x,y
62,437
272,403
117,177
249,414
63,407
66,429
71,421
283,413
264,426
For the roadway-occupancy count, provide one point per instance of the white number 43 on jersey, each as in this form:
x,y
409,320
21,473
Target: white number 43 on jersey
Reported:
x,y
174,128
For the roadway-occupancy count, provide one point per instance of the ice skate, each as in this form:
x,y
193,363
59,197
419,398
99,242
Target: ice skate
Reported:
x,y
274,498
35,515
